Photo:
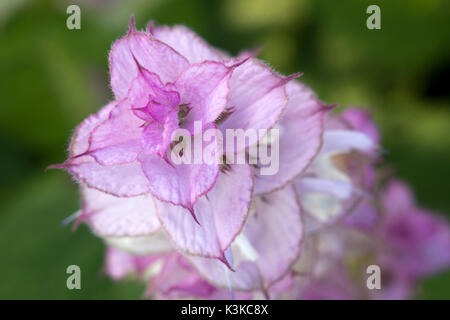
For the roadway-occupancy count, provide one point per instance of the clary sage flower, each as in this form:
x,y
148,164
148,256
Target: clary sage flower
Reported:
x,y
223,229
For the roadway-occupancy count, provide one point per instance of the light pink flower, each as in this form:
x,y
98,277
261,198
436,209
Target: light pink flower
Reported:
x,y
163,79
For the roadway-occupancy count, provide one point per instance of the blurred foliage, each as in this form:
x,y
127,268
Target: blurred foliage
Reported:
x,y
53,77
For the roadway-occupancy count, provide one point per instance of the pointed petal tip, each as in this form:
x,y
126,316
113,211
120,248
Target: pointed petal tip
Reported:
x,y
57,166
191,211
293,76
150,27
77,223
285,80
255,52
132,27
328,108
166,159
244,60
224,260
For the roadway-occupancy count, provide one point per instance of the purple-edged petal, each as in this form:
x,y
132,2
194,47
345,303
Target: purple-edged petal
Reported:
x,y
188,43
146,88
276,232
157,137
118,139
220,214
182,184
204,89
111,216
300,138
156,56
138,48
266,249
246,276
79,142
257,98
122,180
122,67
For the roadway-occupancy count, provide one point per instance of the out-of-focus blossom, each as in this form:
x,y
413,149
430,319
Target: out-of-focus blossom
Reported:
x,y
342,173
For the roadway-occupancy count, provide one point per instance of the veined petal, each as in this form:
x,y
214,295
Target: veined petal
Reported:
x,y
257,98
111,216
301,128
122,67
122,180
220,214
182,183
79,142
157,137
156,56
188,43
146,86
118,139
274,232
204,89
138,47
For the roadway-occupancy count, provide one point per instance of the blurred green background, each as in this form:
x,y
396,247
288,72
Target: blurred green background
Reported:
x,y
52,78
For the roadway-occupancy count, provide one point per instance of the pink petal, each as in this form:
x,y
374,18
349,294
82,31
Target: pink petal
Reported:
x,y
180,184
246,276
118,139
221,215
122,67
110,216
275,232
156,56
301,127
122,180
148,85
148,52
157,137
79,142
188,43
257,98
204,89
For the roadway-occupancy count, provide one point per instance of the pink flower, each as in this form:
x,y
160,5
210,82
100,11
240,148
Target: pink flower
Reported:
x,y
164,79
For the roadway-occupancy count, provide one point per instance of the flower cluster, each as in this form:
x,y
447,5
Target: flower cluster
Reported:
x,y
222,230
